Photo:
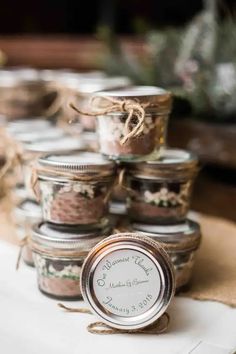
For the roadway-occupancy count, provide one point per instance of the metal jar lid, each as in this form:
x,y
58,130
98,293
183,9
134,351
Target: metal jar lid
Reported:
x,y
28,211
38,135
79,163
128,281
157,99
178,238
171,163
91,85
27,125
46,237
51,146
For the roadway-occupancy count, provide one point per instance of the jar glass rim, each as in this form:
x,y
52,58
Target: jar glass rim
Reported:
x,y
134,91
50,237
81,162
168,158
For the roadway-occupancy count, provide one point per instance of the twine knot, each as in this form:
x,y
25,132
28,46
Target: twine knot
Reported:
x,y
134,123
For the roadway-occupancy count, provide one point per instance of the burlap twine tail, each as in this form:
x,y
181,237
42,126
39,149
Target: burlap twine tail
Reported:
x,y
22,244
121,183
158,327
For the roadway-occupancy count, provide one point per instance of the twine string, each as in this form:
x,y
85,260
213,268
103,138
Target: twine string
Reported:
x,y
133,108
73,309
158,327
36,170
22,244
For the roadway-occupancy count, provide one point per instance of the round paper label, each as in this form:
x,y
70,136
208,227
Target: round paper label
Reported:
x,y
126,283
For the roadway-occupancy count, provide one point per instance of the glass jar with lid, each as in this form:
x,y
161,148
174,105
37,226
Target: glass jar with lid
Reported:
x,y
181,241
21,94
32,151
159,191
25,215
75,188
132,122
128,281
59,254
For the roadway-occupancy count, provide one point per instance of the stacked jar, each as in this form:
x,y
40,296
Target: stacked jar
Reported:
x,y
74,191
34,137
132,126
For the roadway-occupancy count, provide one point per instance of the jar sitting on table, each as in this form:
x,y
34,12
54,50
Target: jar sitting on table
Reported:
x,y
132,122
59,254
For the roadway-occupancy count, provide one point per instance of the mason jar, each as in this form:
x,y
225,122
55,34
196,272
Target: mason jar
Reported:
x,y
181,241
75,188
21,95
59,254
26,214
159,191
128,281
132,122
32,151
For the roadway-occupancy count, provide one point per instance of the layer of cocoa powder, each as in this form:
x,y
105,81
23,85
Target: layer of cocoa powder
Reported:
x,y
72,208
142,145
144,211
62,287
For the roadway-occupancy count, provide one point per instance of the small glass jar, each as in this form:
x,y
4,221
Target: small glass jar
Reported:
x,y
128,281
21,94
32,151
75,189
59,254
181,241
26,214
132,122
160,190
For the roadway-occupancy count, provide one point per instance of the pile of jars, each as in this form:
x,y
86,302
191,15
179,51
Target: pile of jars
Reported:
x,y
85,181
154,193
60,231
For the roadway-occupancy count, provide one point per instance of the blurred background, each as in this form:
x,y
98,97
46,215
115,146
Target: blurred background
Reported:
x,y
188,47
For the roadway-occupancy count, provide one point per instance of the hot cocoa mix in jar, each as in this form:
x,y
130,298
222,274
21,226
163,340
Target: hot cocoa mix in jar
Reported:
x,y
181,241
75,188
132,122
160,190
59,254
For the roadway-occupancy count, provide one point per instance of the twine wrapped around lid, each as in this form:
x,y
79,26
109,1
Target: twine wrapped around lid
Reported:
x,y
158,327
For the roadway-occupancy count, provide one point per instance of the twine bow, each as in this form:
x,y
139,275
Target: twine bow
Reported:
x,y
134,123
158,327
